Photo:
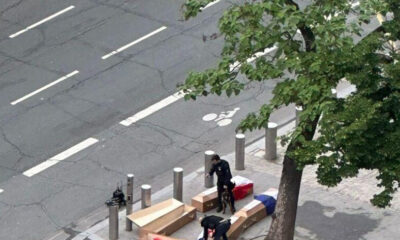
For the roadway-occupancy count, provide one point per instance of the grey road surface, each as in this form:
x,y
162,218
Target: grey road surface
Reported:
x,y
91,103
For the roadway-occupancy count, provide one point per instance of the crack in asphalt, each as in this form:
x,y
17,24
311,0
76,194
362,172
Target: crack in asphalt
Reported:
x,y
129,11
21,153
37,203
71,184
14,5
16,59
154,126
194,139
159,72
62,109
108,169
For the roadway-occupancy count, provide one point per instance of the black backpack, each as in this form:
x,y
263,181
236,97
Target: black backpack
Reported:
x,y
118,197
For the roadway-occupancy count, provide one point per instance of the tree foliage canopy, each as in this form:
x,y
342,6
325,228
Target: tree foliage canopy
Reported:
x,y
314,48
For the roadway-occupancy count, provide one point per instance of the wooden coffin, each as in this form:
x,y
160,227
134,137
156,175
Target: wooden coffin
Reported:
x,y
164,218
255,210
252,212
170,223
237,224
206,200
146,216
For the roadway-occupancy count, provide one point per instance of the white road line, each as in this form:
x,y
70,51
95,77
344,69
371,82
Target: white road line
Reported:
x,y
1,190
45,87
152,109
59,157
42,21
210,4
134,42
255,56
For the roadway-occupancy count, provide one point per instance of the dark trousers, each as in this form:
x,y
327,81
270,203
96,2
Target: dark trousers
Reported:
x,y
221,230
220,189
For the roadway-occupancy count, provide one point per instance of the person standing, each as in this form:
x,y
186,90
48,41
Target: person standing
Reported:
x,y
224,175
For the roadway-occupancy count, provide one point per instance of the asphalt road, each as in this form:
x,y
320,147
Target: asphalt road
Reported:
x,y
71,70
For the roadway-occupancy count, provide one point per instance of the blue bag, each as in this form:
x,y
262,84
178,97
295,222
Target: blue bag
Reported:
x,y
268,201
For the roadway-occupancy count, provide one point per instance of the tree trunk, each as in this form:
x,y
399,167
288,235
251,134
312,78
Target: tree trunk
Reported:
x,y
283,225
284,222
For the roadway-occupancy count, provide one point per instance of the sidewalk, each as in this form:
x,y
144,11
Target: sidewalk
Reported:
x,y
338,213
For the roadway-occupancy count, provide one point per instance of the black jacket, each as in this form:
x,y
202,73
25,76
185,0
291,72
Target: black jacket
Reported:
x,y
223,172
210,222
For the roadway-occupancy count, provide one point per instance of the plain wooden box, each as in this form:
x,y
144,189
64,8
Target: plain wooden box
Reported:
x,y
170,223
145,216
237,227
206,200
164,218
252,212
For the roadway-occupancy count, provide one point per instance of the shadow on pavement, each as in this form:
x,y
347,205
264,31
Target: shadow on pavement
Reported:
x,y
326,223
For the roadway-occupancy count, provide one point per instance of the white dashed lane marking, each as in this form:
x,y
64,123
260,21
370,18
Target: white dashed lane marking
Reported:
x,y
45,87
59,157
42,21
152,109
134,42
237,64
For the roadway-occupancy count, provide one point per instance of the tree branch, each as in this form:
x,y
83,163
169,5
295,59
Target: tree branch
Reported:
x,y
383,58
306,32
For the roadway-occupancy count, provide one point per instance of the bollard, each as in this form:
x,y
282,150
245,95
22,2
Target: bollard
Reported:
x,y
208,181
129,200
113,222
271,132
298,111
178,183
239,151
334,93
146,196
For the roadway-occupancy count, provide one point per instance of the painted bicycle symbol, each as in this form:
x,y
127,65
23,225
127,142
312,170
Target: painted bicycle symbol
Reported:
x,y
222,119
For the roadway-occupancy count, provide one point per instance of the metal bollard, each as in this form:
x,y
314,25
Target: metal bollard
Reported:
x,y
208,181
129,200
271,132
239,151
334,93
113,222
146,196
178,183
298,111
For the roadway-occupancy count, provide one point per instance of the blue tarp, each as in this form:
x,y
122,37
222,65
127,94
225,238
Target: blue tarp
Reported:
x,y
268,201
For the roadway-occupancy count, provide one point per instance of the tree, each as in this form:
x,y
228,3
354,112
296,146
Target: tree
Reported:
x,y
315,49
